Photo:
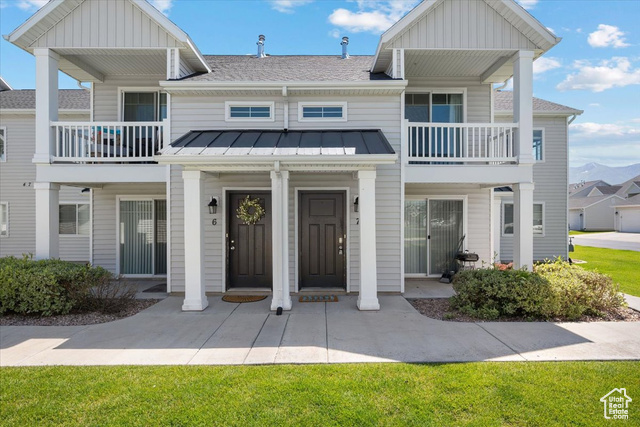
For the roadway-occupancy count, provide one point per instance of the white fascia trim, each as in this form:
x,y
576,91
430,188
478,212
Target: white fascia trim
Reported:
x,y
32,21
565,113
532,22
244,85
368,159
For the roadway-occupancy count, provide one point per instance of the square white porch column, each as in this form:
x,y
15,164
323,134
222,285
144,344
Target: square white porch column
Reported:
x,y
280,240
523,104
47,220
195,298
368,297
523,225
46,102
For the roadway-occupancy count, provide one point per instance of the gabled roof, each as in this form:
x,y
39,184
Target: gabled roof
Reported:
x,y
580,186
631,201
608,189
25,99
503,103
4,85
585,202
244,68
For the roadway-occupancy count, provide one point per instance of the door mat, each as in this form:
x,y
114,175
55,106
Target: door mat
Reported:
x,y
243,298
162,287
318,298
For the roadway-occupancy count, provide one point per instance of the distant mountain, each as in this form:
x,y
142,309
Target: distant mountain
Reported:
x,y
596,171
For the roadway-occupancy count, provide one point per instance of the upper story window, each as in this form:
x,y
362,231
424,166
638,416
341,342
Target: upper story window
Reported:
x,y
144,106
538,219
4,219
538,144
434,107
3,144
322,111
74,219
249,111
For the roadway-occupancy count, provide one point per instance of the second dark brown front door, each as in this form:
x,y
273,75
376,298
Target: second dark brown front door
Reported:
x,y
249,246
322,239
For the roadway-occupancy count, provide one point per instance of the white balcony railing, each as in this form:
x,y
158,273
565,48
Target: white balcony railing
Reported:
x,y
459,143
101,142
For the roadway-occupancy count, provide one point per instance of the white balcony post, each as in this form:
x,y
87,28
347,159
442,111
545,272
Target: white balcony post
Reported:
x,y
47,219
523,104
523,225
280,240
166,133
46,102
368,297
195,298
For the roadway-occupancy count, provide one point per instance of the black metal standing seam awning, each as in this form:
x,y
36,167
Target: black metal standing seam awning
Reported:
x,y
280,143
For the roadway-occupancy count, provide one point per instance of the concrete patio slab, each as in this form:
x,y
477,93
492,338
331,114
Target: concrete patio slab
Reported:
x,y
427,288
227,333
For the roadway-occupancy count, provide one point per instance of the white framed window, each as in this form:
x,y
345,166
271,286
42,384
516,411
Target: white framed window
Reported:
x,y
4,219
538,219
74,219
443,105
538,144
243,111
322,111
3,144
143,105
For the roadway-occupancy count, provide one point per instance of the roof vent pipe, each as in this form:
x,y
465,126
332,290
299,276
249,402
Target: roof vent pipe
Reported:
x,y
345,43
260,44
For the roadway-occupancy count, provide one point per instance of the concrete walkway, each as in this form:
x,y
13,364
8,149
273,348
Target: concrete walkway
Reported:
x,y
310,333
611,240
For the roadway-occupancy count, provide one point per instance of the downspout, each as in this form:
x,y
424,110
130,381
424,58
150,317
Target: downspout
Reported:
x,y
493,91
82,87
285,99
572,119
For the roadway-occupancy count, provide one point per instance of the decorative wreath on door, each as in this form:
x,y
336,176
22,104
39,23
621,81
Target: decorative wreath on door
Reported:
x,y
250,210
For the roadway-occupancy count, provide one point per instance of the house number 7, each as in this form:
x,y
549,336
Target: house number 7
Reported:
x,y
357,221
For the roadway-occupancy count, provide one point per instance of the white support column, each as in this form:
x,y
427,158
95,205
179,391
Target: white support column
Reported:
x,y
280,239
195,298
47,220
523,104
523,225
46,103
368,297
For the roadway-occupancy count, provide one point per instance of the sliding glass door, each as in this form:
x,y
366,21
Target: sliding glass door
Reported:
x,y
143,237
433,229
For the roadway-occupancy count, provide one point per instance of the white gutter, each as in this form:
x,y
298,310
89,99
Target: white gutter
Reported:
x,y
371,159
572,119
291,85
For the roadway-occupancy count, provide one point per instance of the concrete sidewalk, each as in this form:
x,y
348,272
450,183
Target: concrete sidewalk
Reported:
x,y
609,240
310,333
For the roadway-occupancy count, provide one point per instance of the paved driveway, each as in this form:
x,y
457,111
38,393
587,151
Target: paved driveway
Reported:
x,y
310,333
612,240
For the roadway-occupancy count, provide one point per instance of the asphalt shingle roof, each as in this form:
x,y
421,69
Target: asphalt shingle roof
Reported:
x,y
631,201
503,101
25,99
609,189
583,202
288,68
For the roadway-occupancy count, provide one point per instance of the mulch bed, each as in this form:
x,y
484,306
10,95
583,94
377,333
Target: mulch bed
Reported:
x,y
440,309
77,319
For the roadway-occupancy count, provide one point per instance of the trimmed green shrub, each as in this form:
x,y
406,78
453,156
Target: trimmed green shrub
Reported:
x,y
46,287
493,293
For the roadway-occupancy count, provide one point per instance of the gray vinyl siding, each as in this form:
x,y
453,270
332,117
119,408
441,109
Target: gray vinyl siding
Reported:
x,y
106,24
17,176
364,112
550,180
106,98
478,220
104,211
462,24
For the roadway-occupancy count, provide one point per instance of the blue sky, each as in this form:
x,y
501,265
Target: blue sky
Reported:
x,y
596,68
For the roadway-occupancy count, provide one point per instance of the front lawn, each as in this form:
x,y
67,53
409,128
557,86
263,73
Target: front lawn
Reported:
x,y
578,232
516,393
621,265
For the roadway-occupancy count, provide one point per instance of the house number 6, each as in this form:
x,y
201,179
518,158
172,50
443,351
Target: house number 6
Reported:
x,y
214,221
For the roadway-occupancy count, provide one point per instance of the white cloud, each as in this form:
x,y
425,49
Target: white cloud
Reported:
x,y
335,33
616,72
162,5
543,64
607,143
607,35
599,130
31,4
288,6
371,16
528,4
594,104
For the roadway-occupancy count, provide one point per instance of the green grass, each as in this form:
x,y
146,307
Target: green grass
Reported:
x,y
577,232
622,266
535,394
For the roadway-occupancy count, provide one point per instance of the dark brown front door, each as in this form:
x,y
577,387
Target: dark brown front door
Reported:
x,y
249,246
322,239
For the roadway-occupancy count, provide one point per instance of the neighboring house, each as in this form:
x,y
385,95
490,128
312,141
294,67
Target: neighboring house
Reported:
x,y
582,189
604,190
627,215
18,175
369,169
550,130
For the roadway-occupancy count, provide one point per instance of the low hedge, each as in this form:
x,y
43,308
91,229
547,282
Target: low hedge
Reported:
x,y
554,290
46,287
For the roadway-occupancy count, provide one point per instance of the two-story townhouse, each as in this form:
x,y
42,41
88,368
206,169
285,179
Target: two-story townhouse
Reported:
x,y
18,175
289,174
